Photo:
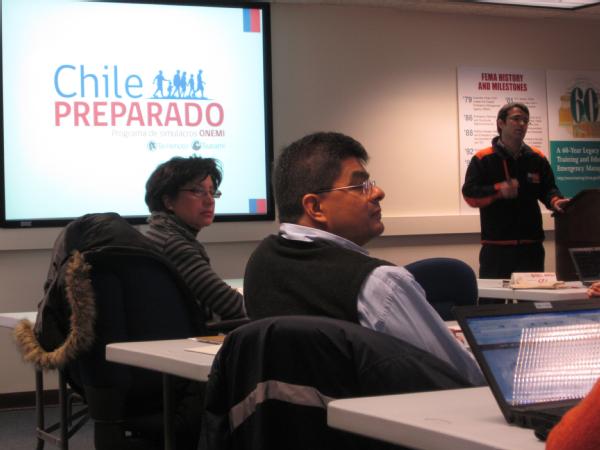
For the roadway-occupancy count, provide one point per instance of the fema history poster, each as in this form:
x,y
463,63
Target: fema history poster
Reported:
x,y
574,129
482,91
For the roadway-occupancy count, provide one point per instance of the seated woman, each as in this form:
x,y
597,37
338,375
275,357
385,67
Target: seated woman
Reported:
x,y
181,195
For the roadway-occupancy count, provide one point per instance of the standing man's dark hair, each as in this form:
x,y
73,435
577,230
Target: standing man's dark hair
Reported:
x,y
310,164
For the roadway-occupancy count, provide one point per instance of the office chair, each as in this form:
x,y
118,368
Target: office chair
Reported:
x,y
137,299
111,294
447,282
272,379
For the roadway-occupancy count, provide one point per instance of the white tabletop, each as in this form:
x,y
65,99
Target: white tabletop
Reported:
x,y
163,356
10,320
489,288
466,419
236,283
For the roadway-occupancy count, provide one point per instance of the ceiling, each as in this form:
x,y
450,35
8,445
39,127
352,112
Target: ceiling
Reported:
x,y
464,7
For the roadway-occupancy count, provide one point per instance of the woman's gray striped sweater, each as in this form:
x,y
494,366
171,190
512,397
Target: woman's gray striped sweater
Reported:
x,y
178,243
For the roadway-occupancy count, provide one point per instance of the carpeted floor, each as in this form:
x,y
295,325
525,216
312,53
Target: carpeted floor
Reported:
x,y
17,431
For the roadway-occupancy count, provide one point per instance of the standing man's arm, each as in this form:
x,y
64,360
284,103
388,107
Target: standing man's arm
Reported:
x,y
478,194
550,195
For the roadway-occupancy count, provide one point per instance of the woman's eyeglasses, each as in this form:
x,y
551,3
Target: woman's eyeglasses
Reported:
x,y
201,193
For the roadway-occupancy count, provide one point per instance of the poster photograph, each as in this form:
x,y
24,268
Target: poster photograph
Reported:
x,y
574,129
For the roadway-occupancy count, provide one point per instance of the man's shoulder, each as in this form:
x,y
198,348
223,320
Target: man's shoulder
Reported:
x,y
321,249
278,243
484,152
269,241
534,152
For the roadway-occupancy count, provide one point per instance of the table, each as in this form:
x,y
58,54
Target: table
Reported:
x,y
466,419
171,359
10,320
489,288
236,283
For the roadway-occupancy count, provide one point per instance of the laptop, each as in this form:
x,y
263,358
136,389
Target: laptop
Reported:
x,y
587,264
531,352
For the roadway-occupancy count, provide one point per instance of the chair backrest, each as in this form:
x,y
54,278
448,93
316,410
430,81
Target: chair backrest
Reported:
x,y
137,298
107,283
272,380
447,282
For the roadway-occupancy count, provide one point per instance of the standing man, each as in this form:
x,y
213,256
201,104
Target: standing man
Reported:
x,y
505,181
329,208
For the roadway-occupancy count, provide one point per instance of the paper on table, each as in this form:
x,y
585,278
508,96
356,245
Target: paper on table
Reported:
x,y
535,280
218,339
206,349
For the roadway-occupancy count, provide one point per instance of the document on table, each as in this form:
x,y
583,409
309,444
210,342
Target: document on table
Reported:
x,y
218,339
211,349
214,346
535,280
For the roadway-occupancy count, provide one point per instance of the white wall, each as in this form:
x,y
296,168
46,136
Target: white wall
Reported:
x,y
384,76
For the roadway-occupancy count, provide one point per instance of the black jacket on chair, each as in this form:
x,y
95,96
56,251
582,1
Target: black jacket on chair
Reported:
x,y
272,380
90,234
107,284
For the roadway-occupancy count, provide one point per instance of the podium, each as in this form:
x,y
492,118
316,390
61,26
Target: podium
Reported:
x,y
578,226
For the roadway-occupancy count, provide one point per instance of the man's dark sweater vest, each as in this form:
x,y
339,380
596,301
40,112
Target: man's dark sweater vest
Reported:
x,y
286,277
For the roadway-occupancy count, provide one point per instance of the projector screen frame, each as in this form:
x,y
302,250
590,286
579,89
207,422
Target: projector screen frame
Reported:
x,y
269,215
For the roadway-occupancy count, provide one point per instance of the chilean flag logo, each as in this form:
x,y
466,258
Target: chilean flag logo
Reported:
x,y
252,20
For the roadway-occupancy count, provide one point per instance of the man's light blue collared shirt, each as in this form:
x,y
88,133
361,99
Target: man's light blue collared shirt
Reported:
x,y
392,302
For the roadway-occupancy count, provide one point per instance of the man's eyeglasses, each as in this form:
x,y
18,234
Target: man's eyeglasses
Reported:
x,y
201,193
518,119
366,186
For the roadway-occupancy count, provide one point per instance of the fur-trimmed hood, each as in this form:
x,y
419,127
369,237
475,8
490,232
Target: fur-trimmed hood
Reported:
x,y
80,298
65,320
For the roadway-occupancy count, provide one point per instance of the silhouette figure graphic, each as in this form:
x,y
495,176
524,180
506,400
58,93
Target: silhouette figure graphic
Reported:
x,y
181,86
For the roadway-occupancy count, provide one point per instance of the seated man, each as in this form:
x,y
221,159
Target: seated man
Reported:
x,y
329,208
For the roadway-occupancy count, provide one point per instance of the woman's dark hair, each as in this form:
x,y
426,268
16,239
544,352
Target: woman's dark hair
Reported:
x,y
169,177
310,164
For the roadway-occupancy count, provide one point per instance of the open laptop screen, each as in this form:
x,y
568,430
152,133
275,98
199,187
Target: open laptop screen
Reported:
x,y
587,263
535,357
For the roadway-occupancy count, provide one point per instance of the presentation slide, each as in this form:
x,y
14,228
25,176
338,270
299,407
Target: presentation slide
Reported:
x,y
97,94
